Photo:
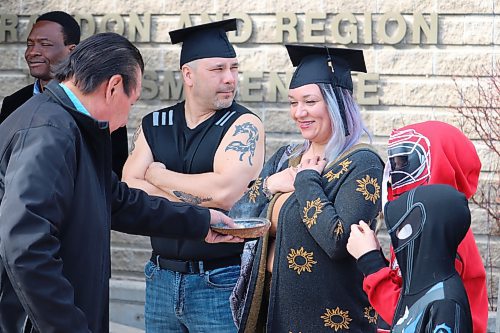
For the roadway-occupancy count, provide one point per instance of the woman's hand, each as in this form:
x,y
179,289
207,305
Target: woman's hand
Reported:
x,y
316,163
282,181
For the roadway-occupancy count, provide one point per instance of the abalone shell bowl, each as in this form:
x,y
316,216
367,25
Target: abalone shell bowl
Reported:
x,y
250,227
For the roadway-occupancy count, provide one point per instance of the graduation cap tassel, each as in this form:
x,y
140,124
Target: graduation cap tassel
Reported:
x,y
340,101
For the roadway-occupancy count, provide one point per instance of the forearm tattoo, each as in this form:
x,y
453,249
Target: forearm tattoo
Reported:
x,y
250,145
136,136
189,198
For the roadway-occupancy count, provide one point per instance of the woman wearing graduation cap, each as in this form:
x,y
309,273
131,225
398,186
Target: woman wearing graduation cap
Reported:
x,y
302,278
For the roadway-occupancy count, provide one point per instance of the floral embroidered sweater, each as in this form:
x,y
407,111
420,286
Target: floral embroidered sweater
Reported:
x,y
316,286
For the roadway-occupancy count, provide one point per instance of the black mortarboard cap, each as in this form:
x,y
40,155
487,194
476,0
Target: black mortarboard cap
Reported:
x,y
205,41
313,65
316,64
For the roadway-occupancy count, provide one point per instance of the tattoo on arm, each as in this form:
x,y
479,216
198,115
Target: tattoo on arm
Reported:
x,y
189,198
250,145
136,136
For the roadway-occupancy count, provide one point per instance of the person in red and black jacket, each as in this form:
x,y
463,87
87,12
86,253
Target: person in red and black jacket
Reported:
x,y
433,152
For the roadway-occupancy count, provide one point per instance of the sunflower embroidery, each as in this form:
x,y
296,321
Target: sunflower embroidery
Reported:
x,y
330,175
336,319
300,260
311,217
369,188
254,190
371,315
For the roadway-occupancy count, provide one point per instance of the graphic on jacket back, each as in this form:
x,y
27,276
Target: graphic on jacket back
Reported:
x,y
426,225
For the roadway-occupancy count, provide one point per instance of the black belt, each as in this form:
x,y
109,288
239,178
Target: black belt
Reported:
x,y
195,267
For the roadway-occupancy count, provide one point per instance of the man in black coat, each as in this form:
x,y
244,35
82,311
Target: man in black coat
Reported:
x,y
52,38
59,197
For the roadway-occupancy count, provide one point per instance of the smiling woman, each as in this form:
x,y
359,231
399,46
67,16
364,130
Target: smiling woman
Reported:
x,y
312,193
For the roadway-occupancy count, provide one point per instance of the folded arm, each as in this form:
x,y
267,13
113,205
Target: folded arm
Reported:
x,y
238,161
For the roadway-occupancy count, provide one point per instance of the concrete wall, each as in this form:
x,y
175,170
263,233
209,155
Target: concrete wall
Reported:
x,y
411,78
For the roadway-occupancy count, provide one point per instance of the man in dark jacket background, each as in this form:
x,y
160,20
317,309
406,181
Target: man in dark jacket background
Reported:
x,y
51,39
59,197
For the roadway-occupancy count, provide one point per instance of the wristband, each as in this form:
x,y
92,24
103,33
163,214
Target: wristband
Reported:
x,y
265,189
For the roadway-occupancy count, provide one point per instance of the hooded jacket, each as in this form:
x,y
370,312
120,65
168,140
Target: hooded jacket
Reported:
x,y
119,139
426,225
448,157
58,201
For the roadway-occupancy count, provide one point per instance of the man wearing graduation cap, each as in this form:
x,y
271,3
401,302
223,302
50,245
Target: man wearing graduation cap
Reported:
x,y
204,150
313,192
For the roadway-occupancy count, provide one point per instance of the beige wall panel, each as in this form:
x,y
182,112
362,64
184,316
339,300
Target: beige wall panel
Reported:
x,y
11,83
400,6
280,121
355,6
451,30
195,7
404,62
12,57
465,6
467,62
385,121
391,91
251,59
425,6
161,25
227,6
135,6
91,7
478,30
41,6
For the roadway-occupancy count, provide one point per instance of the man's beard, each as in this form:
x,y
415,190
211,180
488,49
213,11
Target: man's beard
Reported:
x,y
222,103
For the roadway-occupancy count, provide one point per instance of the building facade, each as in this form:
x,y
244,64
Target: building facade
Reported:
x,y
419,54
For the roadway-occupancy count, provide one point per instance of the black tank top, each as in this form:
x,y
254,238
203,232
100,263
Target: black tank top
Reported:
x,y
189,151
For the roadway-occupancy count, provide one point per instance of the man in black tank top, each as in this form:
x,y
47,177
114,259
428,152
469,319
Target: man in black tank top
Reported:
x,y
204,150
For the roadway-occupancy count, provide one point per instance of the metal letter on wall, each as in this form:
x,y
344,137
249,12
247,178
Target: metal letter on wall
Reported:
x,y
172,88
8,25
399,31
276,85
87,24
247,85
119,26
363,87
367,29
149,85
310,27
135,26
184,21
430,30
290,26
351,35
244,30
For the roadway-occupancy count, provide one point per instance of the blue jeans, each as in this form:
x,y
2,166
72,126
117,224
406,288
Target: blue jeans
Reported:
x,y
177,302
